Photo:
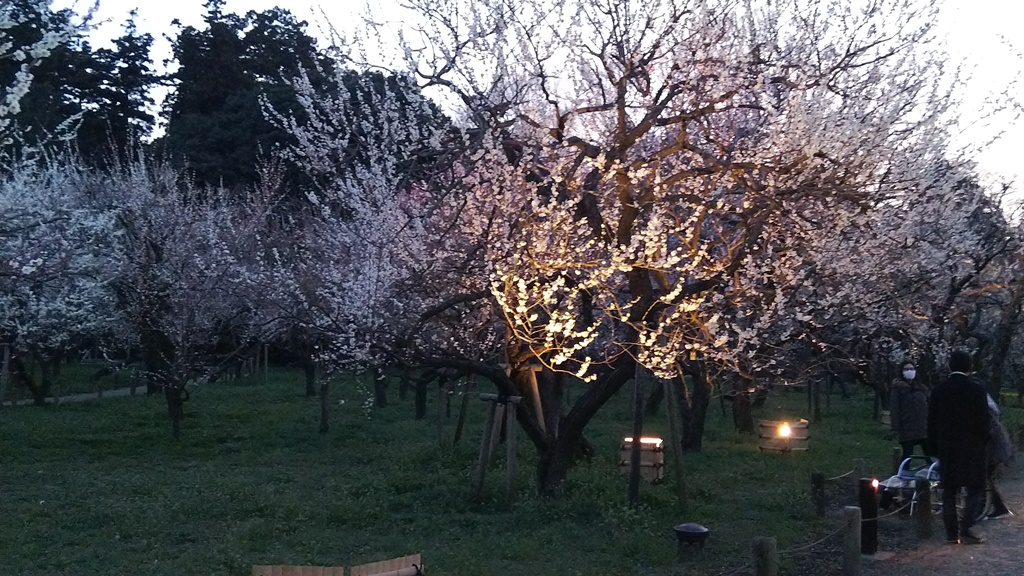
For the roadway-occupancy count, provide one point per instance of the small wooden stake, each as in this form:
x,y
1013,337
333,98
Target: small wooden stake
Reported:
x,y
766,557
851,541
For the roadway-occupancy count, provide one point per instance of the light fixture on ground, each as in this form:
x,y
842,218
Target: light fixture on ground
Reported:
x,y
784,436
652,457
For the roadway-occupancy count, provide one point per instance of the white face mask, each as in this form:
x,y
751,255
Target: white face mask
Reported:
x,y
909,374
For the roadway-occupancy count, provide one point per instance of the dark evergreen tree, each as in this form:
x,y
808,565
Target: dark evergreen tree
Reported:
x,y
215,123
127,79
93,99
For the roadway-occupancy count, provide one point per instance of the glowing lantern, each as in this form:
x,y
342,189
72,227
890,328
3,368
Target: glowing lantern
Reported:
x,y
652,457
784,436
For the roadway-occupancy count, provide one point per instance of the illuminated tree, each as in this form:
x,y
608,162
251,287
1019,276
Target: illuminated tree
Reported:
x,y
655,166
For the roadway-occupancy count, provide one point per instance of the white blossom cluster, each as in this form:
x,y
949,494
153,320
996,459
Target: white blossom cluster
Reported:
x,y
52,33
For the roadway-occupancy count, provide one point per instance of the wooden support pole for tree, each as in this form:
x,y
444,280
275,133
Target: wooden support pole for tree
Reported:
x,y
485,446
851,541
817,400
535,399
511,466
676,443
924,521
5,367
495,434
440,412
266,363
818,493
869,517
828,391
492,429
638,432
467,389
766,557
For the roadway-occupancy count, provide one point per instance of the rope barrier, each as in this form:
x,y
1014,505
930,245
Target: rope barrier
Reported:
x,y
804,547
893,513
840,477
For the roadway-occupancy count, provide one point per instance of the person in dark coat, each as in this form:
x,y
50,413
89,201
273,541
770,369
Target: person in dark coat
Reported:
x,y
958,430
908,411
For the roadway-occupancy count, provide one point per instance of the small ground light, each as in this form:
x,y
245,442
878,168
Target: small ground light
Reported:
x,y
874,483
785,430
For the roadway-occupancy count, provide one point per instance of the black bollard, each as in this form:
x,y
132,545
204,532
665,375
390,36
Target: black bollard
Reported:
x,y
818,493
868,500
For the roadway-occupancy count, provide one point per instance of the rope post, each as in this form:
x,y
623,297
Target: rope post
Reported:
x,y
924,522
851,541
858,472
766,557
869,517
818,493
897,458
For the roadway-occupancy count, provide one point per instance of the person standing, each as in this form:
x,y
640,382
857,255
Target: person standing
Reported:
x,y
958,431
908,412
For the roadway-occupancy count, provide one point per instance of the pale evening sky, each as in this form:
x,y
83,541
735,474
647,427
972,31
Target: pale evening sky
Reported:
x,y
986,34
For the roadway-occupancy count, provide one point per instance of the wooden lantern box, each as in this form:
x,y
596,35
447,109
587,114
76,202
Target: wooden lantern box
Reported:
x,y
772,439
652,457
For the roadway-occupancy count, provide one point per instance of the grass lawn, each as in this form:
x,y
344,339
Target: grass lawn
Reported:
x,y
100,488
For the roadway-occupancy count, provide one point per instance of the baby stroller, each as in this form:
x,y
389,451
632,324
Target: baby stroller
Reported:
x,y
901,489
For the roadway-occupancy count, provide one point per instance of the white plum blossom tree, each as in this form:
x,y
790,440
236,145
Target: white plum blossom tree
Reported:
x,y
364,140
654,166
180,279
57,265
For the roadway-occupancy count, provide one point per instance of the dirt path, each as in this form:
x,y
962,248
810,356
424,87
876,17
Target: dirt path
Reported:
x,y
114,393
1001,555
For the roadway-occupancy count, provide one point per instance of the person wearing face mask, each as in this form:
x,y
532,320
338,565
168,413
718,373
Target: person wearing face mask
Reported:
x,y
908,411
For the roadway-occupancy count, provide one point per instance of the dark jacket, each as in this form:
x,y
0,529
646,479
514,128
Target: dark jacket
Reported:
x,y
908,411
958,430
